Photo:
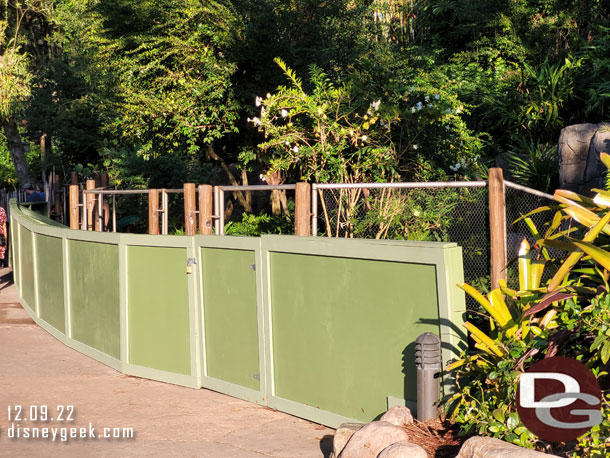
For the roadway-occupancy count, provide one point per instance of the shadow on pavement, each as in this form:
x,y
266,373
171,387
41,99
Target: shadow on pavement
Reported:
x,y
6,279
326,445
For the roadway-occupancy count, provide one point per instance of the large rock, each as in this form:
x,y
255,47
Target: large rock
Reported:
x,y
488,447
573,154
403,450
398,415
342,435
595,171
372,439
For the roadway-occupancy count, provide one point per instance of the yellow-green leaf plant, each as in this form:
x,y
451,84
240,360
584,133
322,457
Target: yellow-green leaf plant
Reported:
x,y
560,306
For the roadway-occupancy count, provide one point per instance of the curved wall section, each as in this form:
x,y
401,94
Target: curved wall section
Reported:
x,y
122,299
320,328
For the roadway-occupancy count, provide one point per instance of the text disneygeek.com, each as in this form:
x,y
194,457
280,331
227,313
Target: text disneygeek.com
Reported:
x,y
33,422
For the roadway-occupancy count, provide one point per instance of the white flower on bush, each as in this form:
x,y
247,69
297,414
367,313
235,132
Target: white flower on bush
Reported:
x,y
364,138
415,213
284,112
419,106
455,167
295,149
258,101
376,104
415,147
255,121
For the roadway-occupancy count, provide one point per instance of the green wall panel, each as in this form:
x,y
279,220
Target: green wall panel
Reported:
x,y
230,317
344,330
94,295
158,308
26,283
51,281
14,230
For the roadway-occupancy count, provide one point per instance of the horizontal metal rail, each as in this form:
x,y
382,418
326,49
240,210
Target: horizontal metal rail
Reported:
x,y
510,184
403,185
115,192
259,187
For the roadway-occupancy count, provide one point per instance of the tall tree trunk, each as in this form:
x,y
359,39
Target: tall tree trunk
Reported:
x,y
245,199
17,150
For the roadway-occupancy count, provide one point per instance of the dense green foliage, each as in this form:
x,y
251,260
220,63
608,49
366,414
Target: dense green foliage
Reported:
x,y
455,83
565,315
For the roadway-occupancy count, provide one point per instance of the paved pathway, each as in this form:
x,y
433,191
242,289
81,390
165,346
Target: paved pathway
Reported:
x,y
168,420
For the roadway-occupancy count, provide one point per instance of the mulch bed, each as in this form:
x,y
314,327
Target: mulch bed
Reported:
x,y
437,439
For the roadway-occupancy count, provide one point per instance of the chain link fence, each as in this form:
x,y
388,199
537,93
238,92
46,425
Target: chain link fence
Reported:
x,y
520,202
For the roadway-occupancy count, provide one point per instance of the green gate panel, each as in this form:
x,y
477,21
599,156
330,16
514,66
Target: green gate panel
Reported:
x,y
50,274
343,330
94,295
230,316
14,231
158,308
26,282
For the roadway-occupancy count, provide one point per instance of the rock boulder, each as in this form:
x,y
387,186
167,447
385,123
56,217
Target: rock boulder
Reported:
x,y
488,447
398,415
403,450
368,441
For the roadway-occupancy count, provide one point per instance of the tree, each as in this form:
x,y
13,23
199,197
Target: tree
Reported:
x,y
14,84
174,87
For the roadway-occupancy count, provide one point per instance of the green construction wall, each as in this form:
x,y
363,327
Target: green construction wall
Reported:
x,y
333,334
26,281
14,231
50,276
158,308
230,316
94,295
343,330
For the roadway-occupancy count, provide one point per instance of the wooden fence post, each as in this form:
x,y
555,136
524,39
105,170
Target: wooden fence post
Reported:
x,y
497,226
153,211
206,204
74,210
190,221
302,210
74,177
90,201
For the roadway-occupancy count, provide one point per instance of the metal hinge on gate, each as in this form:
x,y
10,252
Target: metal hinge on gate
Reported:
x,y
257,377
252,266
189,265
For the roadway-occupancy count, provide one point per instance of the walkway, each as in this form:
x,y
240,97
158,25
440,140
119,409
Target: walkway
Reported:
x,y
168,420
